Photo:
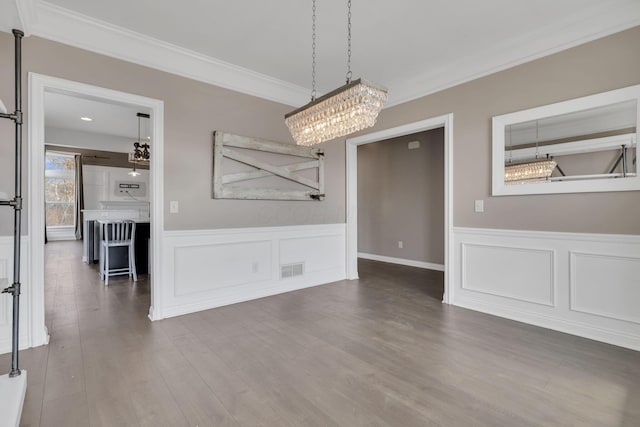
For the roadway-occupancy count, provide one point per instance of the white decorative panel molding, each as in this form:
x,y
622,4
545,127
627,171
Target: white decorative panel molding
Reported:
x,y
204,269
518,273
581,284
320,253
606,285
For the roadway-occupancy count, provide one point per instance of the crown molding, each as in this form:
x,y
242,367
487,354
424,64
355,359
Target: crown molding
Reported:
x,y
27,14
519,50
55,23
74,29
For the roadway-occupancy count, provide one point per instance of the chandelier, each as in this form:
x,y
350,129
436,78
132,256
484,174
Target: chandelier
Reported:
x,y
140,154
348,109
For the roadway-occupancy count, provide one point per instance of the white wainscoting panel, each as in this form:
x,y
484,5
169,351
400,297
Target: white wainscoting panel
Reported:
x,y
6,272
606,285
231,264
519,273
582,284
210,268
318,254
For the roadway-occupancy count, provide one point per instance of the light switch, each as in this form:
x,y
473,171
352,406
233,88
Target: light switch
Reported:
x,y
173,206
400,244
479,205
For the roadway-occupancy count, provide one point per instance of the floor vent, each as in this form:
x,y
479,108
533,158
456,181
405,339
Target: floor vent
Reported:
x,y
291,270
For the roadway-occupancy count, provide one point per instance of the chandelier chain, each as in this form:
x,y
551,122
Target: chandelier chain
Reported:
x,y
349,74
313,53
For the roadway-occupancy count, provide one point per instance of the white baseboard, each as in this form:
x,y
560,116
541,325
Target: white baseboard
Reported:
x,y
577,283
205,269
402,261
61,233
551,322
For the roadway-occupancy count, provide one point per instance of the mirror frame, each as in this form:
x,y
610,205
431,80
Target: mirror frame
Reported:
x,y
499,124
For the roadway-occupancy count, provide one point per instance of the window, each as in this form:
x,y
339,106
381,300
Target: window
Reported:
x,y
59,190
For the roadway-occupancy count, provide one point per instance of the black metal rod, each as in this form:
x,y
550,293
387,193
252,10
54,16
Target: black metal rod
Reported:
x,y
17,207
624,161
615,165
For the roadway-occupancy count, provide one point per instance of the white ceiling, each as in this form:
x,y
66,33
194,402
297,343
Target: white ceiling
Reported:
x,y
63,111
413,47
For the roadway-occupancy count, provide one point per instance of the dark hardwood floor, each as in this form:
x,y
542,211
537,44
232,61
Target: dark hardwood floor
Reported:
x,y
381,351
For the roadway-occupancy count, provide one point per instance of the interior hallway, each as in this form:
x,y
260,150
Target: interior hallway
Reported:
x,y
380,351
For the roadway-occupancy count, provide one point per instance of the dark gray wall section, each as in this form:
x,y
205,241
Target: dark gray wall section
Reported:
x,y
401,198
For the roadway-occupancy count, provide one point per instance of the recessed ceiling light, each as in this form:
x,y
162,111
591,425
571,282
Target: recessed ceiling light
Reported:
x,y
86,119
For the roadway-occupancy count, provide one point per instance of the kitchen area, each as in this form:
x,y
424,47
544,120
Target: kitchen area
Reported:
x,y
96,175
94,221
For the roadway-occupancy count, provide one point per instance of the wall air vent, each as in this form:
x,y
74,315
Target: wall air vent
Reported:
x,y
291,270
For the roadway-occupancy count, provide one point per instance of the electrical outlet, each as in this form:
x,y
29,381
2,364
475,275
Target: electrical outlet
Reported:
x,y
400,244
479,205
173,206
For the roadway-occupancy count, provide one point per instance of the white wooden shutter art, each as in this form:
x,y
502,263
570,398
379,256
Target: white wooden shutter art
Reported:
x,y
225,146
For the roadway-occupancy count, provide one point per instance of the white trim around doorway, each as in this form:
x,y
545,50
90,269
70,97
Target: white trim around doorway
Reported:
x,y
352,144
38,85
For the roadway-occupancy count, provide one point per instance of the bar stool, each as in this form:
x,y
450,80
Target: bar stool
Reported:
x,y
117,234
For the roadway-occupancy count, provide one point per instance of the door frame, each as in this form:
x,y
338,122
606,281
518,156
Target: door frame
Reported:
x,y
352,144
39,84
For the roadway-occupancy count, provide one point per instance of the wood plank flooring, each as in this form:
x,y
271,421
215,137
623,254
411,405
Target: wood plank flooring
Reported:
x,y
381,351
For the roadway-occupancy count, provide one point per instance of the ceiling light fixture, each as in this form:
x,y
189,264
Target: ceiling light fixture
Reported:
x,y
134,172
141,153
86,119
343,111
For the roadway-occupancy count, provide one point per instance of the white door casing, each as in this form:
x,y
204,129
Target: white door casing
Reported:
x,y
352,144
38,85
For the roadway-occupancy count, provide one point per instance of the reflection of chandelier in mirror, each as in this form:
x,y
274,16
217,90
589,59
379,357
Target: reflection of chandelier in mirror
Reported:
x,y
539,169
140,154
348,109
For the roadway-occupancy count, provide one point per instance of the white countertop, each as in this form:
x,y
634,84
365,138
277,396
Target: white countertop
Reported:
x,y
115,214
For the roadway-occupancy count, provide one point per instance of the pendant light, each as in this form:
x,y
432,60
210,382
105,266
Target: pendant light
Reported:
x,y
343,111
140,154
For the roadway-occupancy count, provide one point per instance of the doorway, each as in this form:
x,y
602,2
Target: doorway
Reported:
x,y
40,87
446,122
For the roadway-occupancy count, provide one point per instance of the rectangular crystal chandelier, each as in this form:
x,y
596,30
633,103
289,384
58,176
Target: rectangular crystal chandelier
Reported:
x,y
348,109
527,171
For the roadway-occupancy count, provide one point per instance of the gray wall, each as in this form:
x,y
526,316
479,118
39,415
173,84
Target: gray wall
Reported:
x,y
606,64
193,110
401,197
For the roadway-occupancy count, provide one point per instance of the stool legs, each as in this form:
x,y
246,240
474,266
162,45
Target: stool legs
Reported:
x,y
132,262
106,266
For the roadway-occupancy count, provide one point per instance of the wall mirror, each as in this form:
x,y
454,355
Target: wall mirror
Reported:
x,y
583,145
